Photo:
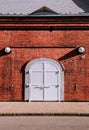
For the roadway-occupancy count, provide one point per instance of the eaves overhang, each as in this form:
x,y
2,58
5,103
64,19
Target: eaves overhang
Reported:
x,y
44,19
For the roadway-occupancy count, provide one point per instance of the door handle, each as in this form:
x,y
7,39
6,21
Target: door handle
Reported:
x,y
39,87
42,87
56,86
46,87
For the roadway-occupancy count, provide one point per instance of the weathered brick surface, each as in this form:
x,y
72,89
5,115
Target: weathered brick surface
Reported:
x,y
26,47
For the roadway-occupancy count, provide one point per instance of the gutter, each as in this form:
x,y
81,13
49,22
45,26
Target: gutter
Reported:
x,y
56,15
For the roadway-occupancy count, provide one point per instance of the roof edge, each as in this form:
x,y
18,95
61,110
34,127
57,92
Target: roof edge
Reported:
x,y
55,15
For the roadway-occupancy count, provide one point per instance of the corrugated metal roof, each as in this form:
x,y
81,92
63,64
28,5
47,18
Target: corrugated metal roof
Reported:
x,y
27,7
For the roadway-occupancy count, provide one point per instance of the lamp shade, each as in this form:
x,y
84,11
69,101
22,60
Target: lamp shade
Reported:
x,y
81,49
7,49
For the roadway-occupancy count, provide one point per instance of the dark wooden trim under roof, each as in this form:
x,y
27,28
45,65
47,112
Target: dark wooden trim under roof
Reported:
x,y
43,20
45,28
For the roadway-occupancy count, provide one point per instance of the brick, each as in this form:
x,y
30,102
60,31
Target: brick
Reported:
x,y
23,43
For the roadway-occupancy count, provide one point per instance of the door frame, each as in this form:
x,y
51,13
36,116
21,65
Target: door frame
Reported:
x,y
27,75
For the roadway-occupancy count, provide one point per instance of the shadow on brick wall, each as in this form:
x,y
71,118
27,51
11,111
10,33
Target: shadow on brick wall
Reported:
x,y
23,79
2,52
70,55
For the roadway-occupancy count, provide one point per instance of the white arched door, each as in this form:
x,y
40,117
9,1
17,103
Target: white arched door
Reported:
x,y
44,80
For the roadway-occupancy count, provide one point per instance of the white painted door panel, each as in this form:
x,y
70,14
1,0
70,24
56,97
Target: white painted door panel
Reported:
x,y
51,78
50,67
37,67
36,78
51,93
36,93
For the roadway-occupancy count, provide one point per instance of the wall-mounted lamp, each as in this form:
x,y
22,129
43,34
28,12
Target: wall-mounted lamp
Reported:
x,y
81,49
7,49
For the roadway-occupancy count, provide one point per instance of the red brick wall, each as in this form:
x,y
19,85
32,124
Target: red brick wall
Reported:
x,y
62,46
